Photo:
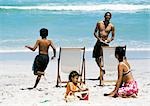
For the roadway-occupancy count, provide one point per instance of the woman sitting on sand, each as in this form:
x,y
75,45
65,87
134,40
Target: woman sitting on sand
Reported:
x,y
75,90
126,86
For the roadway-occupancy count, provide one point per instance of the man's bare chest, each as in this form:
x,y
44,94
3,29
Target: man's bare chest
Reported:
x,y
101,27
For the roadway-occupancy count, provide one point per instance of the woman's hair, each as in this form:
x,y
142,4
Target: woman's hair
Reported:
x,y
120,53
43,32
72,75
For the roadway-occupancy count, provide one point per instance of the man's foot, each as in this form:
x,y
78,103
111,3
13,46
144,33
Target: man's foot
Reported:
x,y
101,83
103,71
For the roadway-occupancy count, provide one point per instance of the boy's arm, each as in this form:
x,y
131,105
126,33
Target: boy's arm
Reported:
x,y
35,46
54,49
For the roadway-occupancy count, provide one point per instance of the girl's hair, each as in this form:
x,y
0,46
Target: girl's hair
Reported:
x,y
120,53
73,74
43,32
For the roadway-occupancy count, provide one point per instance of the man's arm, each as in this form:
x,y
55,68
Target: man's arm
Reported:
x,y
54,49
113,33
96,31
35,46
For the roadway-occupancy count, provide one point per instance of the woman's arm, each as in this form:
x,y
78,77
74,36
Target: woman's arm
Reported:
x,y
120,75
119,81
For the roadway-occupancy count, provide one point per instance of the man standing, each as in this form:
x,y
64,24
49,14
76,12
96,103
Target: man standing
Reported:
x,y
102,31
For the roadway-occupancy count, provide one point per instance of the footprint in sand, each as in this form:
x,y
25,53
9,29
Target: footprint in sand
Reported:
x,y
148,84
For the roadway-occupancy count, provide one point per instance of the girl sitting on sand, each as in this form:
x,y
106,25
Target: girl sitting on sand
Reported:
x,y
75,90
126,86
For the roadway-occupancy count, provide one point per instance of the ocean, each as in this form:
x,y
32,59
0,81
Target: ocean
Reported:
x,y
71,23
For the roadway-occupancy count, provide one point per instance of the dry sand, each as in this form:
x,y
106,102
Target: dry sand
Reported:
x,y
16,75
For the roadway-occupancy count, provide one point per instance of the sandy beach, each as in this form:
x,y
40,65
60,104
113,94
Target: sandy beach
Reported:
x,y
16,75
71,23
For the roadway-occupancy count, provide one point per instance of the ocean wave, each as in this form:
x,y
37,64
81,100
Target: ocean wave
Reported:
x,y
13,40
13,51
100,7
128,49
57,49
69,2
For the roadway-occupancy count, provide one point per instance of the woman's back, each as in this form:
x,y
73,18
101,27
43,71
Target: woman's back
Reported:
x,y
127,74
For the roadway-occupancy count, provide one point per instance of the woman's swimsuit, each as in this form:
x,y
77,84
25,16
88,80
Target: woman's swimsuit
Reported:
x,y
128,88
129,70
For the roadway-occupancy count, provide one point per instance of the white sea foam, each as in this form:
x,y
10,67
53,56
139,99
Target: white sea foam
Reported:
x,y
57,49
128,49
95,7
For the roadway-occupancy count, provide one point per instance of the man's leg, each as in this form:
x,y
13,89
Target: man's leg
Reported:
x,y
98,61
101,75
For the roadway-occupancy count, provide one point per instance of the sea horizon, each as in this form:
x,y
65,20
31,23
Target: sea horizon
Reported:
x,y
71,23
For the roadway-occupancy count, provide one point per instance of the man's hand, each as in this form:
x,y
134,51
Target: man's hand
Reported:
x,y
108,40
103,41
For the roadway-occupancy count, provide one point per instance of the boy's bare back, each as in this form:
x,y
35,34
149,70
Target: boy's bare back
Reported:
x,y
44,45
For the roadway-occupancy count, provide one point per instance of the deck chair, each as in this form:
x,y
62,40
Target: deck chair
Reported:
x,y
70,59
110,63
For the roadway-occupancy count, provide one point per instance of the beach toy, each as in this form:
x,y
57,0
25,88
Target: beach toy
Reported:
x,y
85,96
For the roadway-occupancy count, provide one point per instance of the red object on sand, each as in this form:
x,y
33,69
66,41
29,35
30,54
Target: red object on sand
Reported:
x,y
85,96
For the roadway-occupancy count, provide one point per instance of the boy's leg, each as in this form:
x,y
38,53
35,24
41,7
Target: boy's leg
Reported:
x,y
37,81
